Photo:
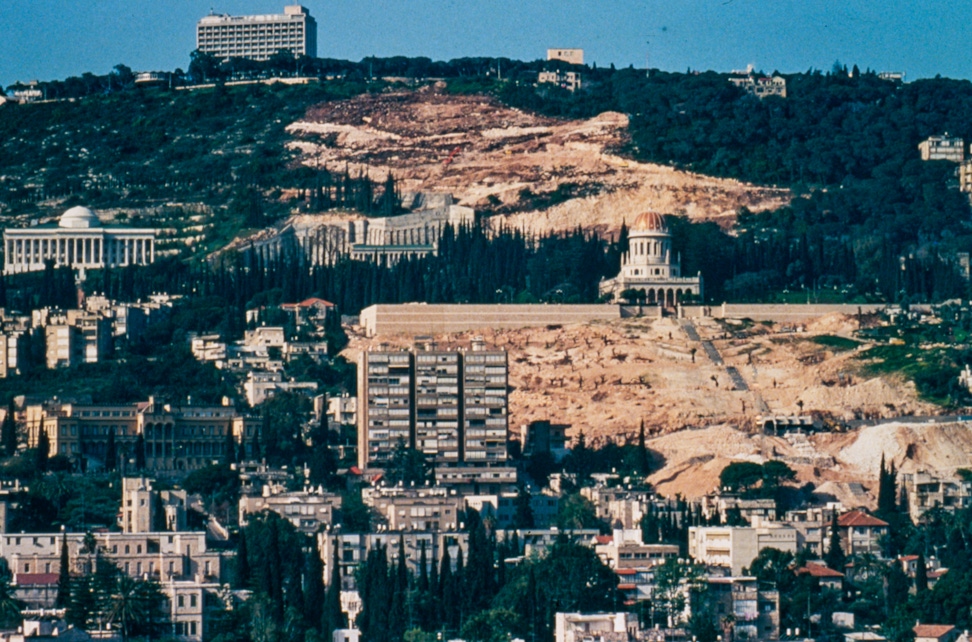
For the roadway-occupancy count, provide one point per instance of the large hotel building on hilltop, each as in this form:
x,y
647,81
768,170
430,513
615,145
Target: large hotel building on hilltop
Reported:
x,y
258,37
449,404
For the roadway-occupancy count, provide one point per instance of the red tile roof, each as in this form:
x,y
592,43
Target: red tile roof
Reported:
x,y
932,630
604,539
908,558
306,303
818,570
625,571
626,587
35,579
859,518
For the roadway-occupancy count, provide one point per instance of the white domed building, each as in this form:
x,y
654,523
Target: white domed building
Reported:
x,y
648,266
78,240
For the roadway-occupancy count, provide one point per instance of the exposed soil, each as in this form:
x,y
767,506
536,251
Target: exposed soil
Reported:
x,y
535,173
605,378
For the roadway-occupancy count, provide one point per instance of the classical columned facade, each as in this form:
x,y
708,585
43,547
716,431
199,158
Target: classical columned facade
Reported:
x,y
79,241
649,268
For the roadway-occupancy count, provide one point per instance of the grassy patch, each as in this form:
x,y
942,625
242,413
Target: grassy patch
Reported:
x,y
934,371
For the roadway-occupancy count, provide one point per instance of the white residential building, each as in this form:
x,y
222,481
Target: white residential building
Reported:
x,y
735,547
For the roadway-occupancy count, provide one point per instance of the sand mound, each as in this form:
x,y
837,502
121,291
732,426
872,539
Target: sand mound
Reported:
x,y
929,446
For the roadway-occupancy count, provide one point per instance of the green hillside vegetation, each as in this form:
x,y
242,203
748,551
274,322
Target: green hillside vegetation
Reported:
x,y
929,354
870,222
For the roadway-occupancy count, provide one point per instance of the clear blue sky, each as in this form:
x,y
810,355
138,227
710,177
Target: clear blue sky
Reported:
x,y
53,39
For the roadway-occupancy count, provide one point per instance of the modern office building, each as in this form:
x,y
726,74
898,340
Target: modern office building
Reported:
x,y
258,37
78,240
449,404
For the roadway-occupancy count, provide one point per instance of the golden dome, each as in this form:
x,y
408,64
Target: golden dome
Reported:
x,y
649,222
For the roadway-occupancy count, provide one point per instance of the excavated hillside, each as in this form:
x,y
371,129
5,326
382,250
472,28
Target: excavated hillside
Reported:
x,y
605,378
535,173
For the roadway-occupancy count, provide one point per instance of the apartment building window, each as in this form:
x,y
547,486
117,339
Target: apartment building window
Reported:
x,y
192,600
182,601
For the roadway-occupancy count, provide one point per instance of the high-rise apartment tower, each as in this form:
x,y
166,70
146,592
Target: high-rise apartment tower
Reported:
x,y
450,404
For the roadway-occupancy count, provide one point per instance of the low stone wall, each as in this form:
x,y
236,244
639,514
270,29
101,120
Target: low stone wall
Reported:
x,y
781,313
415,319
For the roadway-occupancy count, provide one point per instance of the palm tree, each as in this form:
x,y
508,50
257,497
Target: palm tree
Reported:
x,y
132,605
9,607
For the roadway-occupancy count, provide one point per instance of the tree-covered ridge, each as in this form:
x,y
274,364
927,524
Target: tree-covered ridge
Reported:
x,y
870,220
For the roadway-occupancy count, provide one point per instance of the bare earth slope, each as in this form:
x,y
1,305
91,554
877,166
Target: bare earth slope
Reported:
x,y
605,378
487,155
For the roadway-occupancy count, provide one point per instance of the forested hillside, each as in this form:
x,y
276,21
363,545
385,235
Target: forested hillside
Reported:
x,y
870,219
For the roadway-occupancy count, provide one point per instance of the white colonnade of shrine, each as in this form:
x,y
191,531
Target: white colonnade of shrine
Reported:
x,y
80,241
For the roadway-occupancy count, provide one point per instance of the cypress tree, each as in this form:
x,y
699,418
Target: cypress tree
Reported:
x,y
433,579
111,455
43,450
64,577
835,557
458,615
523,515
423,582
399,617
8,430
242,562
921,575
884,495
230,446
445,595
478,580
314,592
644,462
140,452
333,617
533,611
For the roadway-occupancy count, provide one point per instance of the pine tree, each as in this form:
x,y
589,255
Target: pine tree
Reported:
x,y
111,455
8,430
64,576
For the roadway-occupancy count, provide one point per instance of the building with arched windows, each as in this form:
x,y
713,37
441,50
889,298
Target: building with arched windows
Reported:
x,y
78,240
648,266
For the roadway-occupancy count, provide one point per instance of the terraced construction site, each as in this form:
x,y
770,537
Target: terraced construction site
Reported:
x,y
700,387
